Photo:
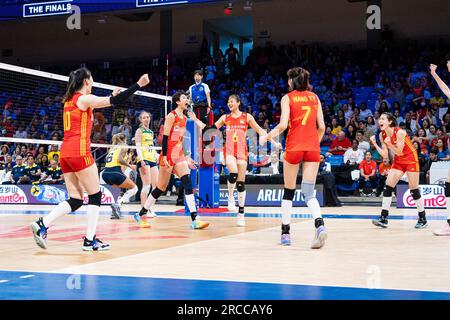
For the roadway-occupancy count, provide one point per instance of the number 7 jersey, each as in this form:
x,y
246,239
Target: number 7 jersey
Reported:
x,y
303,134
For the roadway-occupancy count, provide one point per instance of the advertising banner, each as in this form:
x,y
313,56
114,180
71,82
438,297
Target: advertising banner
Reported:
x,y
269,195
433,196
48,194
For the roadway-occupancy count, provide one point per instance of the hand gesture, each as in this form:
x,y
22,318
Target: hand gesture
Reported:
x,y
388,141
166,163
373,140
262,139
191,163
277,145
433,68
143,164
143,81
192,115
115,92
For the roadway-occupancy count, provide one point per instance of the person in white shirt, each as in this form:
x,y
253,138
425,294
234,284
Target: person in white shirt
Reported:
x,y
354,155
363,144
364,112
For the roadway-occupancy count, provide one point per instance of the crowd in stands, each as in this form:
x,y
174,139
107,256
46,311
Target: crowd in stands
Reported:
x,y
354,86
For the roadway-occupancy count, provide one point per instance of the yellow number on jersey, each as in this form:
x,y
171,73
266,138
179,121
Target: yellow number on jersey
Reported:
x,y
67,121
235,137
306,116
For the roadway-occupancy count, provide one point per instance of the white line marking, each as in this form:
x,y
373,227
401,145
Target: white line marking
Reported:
x,y
27,276
3,281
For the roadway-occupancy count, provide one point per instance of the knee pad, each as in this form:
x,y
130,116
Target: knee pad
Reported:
x,y
388,190
240,186
308,190
447,189
75,204
415,194
146,189
95,199
186,182
232,178
288,194
156,193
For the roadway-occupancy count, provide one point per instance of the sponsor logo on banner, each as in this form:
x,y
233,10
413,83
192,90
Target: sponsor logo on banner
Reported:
x,y
270,196
12,194
107,196
433,196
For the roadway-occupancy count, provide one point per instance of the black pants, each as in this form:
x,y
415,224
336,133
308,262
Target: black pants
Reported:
x,y
330,191
381,184
371,183
201,111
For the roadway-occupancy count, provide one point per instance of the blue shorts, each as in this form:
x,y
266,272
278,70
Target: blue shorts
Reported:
x,y
149,163
113,176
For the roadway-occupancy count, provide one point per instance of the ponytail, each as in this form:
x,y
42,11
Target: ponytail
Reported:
x,y
75,82
300,78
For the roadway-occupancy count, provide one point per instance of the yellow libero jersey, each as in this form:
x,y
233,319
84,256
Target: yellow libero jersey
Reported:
x,y
112,159
146,142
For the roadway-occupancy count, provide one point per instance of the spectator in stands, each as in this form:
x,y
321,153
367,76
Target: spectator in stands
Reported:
x,y
335,127
367,180
383,172
44,162
275,163
364,113
32,171
350,132
341,119
52,174
327,138
439,135
18,172
126,129
21,133
210,71
9,164
364,146
54,150
442,152
354,155
421,138
371,125
437,100
362,126
118,118
425,169
329,183
3,153
339,145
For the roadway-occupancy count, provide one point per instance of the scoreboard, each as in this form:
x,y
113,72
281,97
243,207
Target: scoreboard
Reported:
x,y
17,9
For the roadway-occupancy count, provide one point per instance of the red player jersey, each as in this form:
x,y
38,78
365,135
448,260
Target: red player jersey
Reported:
x,y
303,134
77,129
175,141
236,133
409,153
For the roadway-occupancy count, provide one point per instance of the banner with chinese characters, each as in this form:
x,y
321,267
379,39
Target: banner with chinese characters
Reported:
x,y
433,196
48,194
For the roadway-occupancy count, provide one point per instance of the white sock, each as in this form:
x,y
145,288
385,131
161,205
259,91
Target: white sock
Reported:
x,y
386,203
314,207
126,197
57,212
92,216
241,198
419,204
190,200
145,193
286,209
231,190
149,202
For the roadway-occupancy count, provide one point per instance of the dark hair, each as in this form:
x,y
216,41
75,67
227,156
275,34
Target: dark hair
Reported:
x,y
360,131
199,72
235,97
300,78
434,150
177,96
448,57
391,117
75,83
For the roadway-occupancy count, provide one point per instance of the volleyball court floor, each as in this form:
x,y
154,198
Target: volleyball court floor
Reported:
x,y
171,261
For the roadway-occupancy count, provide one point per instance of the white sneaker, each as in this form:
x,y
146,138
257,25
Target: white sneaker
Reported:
x,y
231,205
241,220
151,214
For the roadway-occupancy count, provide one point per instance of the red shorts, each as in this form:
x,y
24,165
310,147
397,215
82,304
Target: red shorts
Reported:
x,y
75,164
237,151
295,157
173,159
409,167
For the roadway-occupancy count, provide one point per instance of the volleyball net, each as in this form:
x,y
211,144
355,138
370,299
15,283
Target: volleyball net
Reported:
x,y
31,112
